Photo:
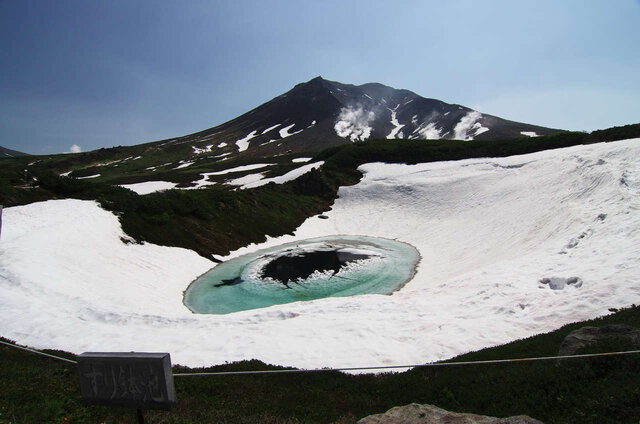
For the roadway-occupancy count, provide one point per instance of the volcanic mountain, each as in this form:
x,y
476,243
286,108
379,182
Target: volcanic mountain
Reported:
x,y
8,153
319,113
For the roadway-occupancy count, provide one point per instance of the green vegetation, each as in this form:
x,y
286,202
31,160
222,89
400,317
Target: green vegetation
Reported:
x,y
219,219
597,390
210,221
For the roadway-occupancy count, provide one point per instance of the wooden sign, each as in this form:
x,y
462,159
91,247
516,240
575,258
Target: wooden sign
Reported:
x,y
136,380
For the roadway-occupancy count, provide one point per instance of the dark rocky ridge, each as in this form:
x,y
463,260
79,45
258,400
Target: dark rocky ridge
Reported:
x,y
8,153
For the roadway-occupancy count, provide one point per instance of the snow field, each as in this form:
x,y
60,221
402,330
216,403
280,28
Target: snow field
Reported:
x,y
257,180
488,231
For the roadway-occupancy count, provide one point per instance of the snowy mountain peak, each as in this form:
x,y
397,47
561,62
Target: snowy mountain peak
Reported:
x,y
321,113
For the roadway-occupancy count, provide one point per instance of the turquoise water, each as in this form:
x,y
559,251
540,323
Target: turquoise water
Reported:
x,y
239,284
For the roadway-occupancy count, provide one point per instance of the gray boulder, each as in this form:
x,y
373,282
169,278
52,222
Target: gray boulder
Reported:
x,y
587,336
428,414
559,283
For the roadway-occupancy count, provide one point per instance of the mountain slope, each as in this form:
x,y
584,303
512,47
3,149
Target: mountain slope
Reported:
x,y
296,125
8,153
321,113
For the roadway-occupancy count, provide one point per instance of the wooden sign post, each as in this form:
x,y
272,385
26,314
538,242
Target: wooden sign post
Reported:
x,y
135,380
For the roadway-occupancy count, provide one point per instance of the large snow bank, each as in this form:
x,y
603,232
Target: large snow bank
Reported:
x,y
257,180
488,231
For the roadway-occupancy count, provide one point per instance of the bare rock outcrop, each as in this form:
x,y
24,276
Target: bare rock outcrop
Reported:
x,y
587,336
428,414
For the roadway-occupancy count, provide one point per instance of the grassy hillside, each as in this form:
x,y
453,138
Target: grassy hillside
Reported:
x,y
218,219
598,390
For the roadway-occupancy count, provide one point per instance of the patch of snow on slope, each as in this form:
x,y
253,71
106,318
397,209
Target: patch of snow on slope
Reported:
x,y
205,149
243,143
149,186
246,180
153,168
397,125
241,168
110,162
202,182
289,176
222,155
184,164
529,133
488,231
66,174
88,176
354,123
299,160
479,129
463,128
270,128
284,132
312,124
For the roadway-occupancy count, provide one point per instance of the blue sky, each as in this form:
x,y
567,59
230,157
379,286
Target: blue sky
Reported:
x,y
106,73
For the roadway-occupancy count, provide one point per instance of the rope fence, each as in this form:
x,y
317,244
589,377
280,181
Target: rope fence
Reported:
x,y
39,353
372,368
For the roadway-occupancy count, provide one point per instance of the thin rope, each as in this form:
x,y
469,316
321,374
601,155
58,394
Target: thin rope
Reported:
x,y
437,364
38,352
389,367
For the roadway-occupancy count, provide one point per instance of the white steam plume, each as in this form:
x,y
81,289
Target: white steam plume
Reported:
x,y
354,123
429,132
461,130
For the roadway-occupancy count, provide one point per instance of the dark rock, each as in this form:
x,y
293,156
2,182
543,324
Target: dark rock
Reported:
x,y
292,268
428,414
588,336
559,283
